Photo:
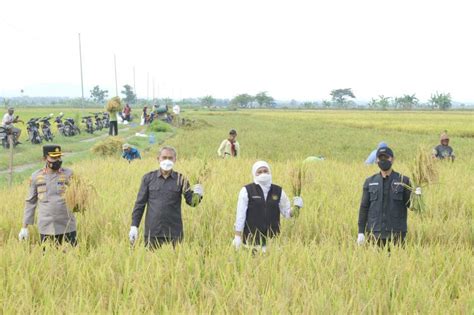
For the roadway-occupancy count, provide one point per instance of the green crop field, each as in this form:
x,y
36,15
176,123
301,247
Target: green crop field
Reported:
x,y
313,267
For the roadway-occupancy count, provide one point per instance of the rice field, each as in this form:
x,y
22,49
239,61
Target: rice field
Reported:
x,y
314,266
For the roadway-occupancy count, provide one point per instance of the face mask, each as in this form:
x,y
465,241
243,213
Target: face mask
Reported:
x,y
264,179
166,165
385,165
56,165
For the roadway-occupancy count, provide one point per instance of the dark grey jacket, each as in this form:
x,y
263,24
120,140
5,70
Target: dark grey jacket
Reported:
x,y
162,198
384,216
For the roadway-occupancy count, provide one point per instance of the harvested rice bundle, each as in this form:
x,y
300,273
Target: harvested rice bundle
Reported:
x,y
111,146
80,194
114,104
423,174
201,172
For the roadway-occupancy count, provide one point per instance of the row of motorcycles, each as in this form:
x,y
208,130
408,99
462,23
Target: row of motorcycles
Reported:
x,y
39,129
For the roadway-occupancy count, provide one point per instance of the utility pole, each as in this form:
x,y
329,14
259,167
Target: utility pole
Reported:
x,y
134,87
153,89
147,86
116,85
80,62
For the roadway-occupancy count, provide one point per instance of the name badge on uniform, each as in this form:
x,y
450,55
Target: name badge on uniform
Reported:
x,y
256,197
373,184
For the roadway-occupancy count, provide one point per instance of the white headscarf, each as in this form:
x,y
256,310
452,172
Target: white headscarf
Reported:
x,y
255,167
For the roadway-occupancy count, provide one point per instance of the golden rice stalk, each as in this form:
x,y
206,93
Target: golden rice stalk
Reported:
x,y
298,177
201,172
80,194
114,104
423,174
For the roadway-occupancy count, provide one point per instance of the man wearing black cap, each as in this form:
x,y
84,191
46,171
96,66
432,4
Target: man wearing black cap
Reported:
x,y
47,189
385,200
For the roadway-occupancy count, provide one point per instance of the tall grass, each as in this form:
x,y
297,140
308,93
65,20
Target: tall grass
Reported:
x,y
313,267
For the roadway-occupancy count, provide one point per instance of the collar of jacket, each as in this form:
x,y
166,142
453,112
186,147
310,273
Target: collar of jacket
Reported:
x,y
172,175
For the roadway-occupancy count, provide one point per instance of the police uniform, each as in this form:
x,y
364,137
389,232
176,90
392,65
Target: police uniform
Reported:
x,y
46,192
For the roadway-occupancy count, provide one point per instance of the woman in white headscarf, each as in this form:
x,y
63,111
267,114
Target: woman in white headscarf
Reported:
x,y
259,207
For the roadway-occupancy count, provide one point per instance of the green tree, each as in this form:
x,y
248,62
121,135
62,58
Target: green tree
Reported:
x,y
207,100
264,100
441,101
98,95
339,96
242,100
130,96
405,102
326,103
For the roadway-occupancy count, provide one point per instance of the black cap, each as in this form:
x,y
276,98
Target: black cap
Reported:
x,y
385,151
53,151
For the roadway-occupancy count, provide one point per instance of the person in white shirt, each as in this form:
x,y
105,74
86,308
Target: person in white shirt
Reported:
x,y
229,147
8,121
176,109
259,207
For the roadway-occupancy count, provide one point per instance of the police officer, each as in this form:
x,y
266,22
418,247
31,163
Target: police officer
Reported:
x,y
385,200
47,189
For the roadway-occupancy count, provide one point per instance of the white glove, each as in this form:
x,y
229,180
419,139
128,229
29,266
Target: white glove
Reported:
x,y
360,239
298,201
133,235
237,242
418,191
198,189
23,234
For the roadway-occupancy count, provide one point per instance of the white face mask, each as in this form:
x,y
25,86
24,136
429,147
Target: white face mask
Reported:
x,y
166,165
264,179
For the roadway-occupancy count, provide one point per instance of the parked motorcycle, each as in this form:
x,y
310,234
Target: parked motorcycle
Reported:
x,y
70,127
32,126
5,134
89,124
106,119
99,125
46,128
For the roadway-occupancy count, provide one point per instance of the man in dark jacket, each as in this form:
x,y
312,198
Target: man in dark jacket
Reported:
x,y
160,192
385,200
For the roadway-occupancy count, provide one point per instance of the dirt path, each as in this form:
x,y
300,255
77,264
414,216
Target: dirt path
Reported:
x,y
24,167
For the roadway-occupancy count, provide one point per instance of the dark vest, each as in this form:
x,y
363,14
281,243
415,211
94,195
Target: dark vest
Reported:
x,y
263,217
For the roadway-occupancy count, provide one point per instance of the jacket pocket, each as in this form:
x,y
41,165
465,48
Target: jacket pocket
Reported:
x,y
373,193
42,193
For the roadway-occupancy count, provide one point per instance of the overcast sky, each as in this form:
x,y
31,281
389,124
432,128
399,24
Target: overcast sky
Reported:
x,y
292,49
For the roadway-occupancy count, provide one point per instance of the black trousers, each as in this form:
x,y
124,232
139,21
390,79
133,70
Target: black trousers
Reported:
x,y
113,129
397,239
156,242
70,238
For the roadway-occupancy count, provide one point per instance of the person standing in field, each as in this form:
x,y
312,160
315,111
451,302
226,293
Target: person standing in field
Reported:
x,y
229,147
130,153
259,207
127,111
161,193
372,158
113,107
385,200
8,121
443,151
47,190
